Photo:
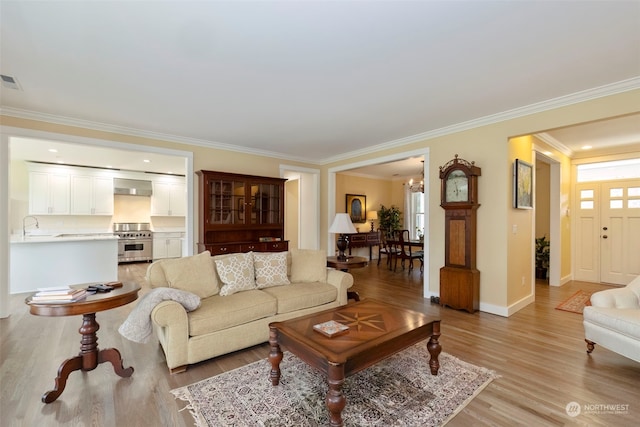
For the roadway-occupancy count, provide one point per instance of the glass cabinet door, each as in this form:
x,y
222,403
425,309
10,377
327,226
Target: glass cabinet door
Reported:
x,y
226,202
266,201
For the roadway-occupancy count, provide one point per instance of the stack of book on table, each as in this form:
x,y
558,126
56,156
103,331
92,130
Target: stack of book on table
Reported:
x,y
58,294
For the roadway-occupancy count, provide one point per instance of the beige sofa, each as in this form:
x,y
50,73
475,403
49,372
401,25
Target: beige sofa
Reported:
x,y
613,320
240,295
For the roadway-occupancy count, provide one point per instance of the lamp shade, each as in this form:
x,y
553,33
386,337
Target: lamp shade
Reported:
x,y
342,224
371,215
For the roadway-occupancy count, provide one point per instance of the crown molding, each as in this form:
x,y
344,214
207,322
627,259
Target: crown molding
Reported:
x,y
548,139
86,124
582,96
563,101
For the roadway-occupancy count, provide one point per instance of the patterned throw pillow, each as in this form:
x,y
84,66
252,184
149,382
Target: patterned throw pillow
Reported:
x,y
236,273
270,268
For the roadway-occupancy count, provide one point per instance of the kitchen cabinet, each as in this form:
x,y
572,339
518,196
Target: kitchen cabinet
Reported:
x,y
240,213
169,198
91,195
49,193
167,245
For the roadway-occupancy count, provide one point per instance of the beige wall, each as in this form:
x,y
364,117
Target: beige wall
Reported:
x,y
291,225
487,145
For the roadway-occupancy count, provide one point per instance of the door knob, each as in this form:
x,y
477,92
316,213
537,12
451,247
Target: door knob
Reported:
x,y
605,236
605,228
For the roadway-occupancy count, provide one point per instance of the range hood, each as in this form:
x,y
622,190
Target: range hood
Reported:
x,y
131,187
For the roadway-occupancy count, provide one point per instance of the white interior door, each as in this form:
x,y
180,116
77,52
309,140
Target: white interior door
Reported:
x,y
608,231
620,232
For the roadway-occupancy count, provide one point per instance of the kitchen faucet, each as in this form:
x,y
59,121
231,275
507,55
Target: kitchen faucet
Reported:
x,y
24,232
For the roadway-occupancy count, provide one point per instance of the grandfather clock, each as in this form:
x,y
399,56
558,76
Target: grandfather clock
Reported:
x,y
459,278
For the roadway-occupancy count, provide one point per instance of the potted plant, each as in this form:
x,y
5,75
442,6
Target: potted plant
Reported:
x,y
389,218
542,257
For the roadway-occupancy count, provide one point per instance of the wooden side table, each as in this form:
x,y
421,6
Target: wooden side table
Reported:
x,y
90,357
345,265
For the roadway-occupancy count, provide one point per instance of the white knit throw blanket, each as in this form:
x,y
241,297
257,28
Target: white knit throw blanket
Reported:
x,y
138,327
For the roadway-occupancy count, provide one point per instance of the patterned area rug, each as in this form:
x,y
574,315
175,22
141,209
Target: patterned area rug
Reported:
x,y
399,391
576,302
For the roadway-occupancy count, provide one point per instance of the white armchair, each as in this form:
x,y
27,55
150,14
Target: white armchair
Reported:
x,y
613,320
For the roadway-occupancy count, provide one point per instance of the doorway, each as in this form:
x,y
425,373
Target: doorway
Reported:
x,y
608,231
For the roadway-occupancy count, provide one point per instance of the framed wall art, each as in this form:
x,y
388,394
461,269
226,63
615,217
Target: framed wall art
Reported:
x,y
522,185
357,208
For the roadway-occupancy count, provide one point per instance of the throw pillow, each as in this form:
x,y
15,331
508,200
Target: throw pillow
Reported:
x,y
194,274
308,265
236,273
270,268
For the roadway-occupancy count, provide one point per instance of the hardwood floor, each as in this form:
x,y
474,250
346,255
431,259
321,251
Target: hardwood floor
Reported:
x,y
539,353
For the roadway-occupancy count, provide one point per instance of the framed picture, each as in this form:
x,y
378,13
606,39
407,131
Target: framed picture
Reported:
x,y
522,185
357,208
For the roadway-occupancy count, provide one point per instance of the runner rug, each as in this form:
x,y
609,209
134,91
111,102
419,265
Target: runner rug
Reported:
x,y
576,302
399,391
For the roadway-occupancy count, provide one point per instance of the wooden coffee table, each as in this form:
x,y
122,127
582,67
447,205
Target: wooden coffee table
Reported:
x,y
377,330
89,357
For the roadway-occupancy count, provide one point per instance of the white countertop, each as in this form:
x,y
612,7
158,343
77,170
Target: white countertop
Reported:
x,y
60,238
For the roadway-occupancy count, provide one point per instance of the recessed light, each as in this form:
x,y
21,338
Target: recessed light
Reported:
x,y
53,150
147,161
586,147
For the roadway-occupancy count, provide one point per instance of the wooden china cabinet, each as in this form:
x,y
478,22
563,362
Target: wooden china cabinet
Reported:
x,y
240,213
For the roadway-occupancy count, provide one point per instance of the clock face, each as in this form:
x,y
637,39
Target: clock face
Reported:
x,y
457,187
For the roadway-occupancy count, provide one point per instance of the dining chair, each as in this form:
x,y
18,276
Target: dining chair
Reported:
x,y
386,247
404,252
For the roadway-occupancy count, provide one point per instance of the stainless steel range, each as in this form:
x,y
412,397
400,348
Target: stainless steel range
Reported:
x,y
135,241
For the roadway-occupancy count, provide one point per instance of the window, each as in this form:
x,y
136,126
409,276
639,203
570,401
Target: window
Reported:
x,y
605,171
417,215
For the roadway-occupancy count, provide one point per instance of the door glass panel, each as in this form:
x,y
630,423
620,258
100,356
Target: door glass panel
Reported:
x,y
634,204
615,204
586,205
586,194
616,192
633,191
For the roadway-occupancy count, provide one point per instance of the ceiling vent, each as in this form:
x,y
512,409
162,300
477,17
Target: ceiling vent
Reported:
x,y
10,82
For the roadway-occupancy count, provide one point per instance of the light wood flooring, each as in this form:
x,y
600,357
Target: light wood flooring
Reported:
x,y
538,352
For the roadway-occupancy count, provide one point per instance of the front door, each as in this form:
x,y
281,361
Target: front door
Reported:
x,y
608,231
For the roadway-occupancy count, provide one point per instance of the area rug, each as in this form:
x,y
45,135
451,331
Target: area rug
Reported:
x,y
576,302
399,391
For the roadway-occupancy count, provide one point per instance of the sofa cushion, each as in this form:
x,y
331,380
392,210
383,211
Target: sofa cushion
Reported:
x,y
194,274
236,273
308,265
302,295
625,321
217,312
270,269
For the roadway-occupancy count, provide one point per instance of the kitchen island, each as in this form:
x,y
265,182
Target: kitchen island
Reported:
x,y
64,259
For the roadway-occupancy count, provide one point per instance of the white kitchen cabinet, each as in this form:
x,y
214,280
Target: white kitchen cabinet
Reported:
x,y
169,198
91,195
167,245
48,193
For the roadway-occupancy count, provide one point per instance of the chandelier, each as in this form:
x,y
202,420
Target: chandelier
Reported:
x,y
416,187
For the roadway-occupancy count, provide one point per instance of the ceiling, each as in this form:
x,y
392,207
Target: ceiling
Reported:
x,y
312,81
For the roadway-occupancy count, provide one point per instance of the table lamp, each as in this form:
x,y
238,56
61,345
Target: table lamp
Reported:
x,y
372,216
342,225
